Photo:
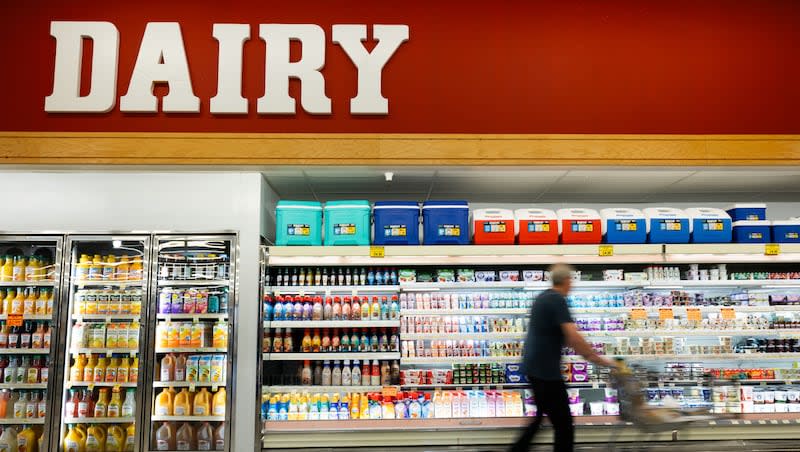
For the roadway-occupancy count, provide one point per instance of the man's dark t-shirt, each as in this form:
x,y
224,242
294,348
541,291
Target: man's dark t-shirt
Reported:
x,y
545,339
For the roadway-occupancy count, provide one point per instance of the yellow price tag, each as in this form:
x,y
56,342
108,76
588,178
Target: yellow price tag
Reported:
x,y
605,250
638,314
377,252
772,249
693,314
728,313
389,391
665,313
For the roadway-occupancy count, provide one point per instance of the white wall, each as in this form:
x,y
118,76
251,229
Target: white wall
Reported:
x,y
94,202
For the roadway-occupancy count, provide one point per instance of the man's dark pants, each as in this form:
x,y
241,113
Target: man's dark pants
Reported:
x,y
551,399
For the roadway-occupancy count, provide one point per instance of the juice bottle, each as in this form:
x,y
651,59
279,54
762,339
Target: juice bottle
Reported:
x,y
168,368
220,335
100,370
32,268
115,404
82,269
133,372
76,371
29,305
165,437
180,367
111,370
49,301
205,437
26,440
37,338
7,269
101,406
95,439
173,335
40,306
88,369
18,271
130,438
8,301
129,405
184,438
202,403
218,403
123,269
18,303
75,440
3,335
136,272
115,439
72,403
164,403
183,403
123,370
109,267
96,268
219,437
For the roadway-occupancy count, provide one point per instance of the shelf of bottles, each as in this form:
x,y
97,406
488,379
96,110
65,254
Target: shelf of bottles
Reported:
x,y
193,305
29,274
103,346
462,325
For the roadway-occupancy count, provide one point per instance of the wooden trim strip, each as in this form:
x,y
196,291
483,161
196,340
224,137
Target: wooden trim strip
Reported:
x,y
103,148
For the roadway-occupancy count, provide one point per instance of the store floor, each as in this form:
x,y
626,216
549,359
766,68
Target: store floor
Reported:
x,y
693,446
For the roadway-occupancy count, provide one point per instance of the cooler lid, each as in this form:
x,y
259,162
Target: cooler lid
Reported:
x,y
759,223
354,204
619,213
577,214
307,205
665,213
535,214
707,212
746,206
492,214
789,222
396,205
445,205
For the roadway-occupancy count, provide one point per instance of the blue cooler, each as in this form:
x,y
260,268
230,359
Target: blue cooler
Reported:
x,y
710,225
396,223
623,225
749,212
445,223
667,225
752,231
298,223
347,223
786,231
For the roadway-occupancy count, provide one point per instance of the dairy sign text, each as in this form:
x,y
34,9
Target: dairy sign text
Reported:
x,y
162,60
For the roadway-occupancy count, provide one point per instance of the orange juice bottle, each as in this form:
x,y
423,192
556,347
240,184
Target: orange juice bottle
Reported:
x,y
40,307
111,370
32,268
115,441
115,405
123,371
133,373
164,403
88,370
100,370
167,368
183,403
7,268
218,403
82,268
136,271
202,403
76,371
123,269
109,267
8,301
130,438
18,271
18,303
49,301
29,305
220,335
96,268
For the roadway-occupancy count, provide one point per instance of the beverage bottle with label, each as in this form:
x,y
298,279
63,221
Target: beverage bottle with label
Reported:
x,y
50,301
133,372
3,367
96,268
8,301
41,410
101,407
180,367
168,368
37,338
123,370
3,335
13,337
184,438
86,405
32,406
40,305
20,405
18,271
164,403
115,404
218,402
136,269
183,403
355,311
115,439
130,438
205,437
219,437
123,269
18,303
111,370
6,268
26,335
165,437
32,376
29,305
202,403
72,403
22,370
129,405
100,370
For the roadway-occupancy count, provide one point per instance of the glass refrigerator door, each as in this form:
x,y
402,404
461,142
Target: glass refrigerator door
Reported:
x,y
193,303
106,290
30,270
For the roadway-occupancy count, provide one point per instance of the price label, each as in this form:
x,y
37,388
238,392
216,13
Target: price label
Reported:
x,y
772,249
90,387
192,387
377,252
389,391
693,314
605,250
665,313
638,314
728,313
15,320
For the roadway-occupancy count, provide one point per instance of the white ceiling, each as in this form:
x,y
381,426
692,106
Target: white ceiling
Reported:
x,y
514,185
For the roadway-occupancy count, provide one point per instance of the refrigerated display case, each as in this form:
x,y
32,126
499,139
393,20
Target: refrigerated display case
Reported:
x,y
193,305
679,313
103,344
30,272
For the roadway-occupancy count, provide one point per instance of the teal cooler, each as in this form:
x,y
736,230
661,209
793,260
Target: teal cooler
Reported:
x,y
298,223
786,231
347,223
445,223
752,231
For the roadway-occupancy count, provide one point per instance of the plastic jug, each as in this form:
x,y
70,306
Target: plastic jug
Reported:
x,y
8,440
219,437
164,403
95,439
115,439
202,403
183,403
184,439
130,438
205,437
165,437
75,440
168,368
218,403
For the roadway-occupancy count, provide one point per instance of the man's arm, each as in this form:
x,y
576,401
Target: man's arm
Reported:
x,y
574,339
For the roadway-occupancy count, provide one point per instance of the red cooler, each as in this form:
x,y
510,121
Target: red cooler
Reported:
x,y
493,227
536,226
580,226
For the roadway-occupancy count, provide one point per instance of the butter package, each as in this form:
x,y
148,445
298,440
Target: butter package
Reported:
x,y
465,275
193,368
445,276
204,369
218,364
509,275
424,277
407,275
485,276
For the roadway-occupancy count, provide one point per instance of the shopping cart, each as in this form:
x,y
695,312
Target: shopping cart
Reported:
x,y
634,411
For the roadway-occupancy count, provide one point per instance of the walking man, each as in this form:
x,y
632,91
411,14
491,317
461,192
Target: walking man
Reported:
x,y
551,328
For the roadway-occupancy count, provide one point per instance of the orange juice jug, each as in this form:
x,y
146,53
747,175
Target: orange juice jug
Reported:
x,y
8,301
123,269
202,403
18,303
109,267
7,269
29,305
180,367
75,440
205,437
220,335
168,368
165,437
115,404
82,269
88,370
18,271
115,439
40,307
164,403
26,440
218,403
96,268
123,371
183,403
184,438
130,438
95,439
136,272
133,372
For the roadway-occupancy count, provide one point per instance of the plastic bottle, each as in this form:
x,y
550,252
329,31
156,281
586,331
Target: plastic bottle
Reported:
x,y
184,438
355,310
374,342
123,370
74,441
364,345
133,371
218,402
135,272
316,342
366,373
115,439
365,308
164,403
180,367
26,440
205,437
327,310
356,373
129,406
219,437
165,437
123,269
95,438
168,368
308,308
130,438
18,303
183,403
317,310
202,403
115,404
111,370
326,373
99,375
101,406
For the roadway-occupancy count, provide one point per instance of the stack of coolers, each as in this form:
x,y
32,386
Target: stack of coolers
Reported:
x,y
623,225
445,223
667,225
579,226
750,223
396,223
494,227
536,226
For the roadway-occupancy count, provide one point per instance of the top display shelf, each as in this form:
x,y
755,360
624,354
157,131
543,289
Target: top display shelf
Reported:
x,y
193,282
44,283
301,256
